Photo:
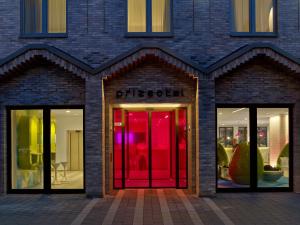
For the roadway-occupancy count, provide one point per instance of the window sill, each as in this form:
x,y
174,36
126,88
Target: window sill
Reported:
x,y
256,34
149,35
47,35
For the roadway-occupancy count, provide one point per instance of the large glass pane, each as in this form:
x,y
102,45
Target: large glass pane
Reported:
x,y
33,16
136,15
27,149
233,148
57,16
264,12
136,149
118,148
241,15
67,149
163,149
160,15
182,147
273,145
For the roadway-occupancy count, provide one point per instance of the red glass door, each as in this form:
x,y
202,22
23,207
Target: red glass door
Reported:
x,y
150,149
136,149
163,149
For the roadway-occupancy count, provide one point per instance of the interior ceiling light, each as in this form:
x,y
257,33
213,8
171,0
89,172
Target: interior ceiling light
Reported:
x,y
161,105
238,110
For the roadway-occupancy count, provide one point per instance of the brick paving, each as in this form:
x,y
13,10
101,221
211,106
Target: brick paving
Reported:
x,y
240,208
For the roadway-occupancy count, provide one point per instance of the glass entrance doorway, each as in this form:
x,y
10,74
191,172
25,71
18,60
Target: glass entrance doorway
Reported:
x,y
150,148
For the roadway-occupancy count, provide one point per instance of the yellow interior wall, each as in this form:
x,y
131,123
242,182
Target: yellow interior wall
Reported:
x,y
33,126
53,135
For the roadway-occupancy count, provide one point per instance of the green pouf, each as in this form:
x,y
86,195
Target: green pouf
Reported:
x,y
239,168
284,153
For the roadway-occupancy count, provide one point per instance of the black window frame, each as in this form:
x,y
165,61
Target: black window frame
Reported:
x,y
148,32
46,150
44,33
252,22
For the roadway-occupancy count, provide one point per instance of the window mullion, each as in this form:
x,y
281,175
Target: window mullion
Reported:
x,y
148,16
252,16
45,16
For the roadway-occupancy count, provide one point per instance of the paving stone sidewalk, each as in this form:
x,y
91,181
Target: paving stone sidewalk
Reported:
x,y
153,206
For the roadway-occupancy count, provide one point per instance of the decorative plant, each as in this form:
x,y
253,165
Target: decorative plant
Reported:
x,y
272,174
23,152
284,153
270,168
222,158
239,167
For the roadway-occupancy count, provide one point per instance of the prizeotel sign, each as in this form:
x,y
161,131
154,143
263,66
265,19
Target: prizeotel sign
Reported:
x,y
157,93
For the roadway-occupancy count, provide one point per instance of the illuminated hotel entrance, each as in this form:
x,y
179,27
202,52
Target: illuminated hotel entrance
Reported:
x,y
150,148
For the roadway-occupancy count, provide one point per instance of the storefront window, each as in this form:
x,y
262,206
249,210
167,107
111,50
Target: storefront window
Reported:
x,y
233,148
274,148
27,149
67,149
236,164
41,137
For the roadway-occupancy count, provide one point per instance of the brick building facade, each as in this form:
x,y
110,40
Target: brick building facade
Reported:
x,y
213,67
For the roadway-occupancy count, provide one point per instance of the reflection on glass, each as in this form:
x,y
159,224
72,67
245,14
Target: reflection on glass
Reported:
x,y
136,15
226,136
27,149
117,148
57,16
242,131
33,16
160,16
233,150
273,145
241,15
262,136
182,144
264,16
67,149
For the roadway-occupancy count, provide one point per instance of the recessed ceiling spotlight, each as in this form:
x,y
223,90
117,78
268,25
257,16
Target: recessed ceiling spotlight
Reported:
x,y
68,111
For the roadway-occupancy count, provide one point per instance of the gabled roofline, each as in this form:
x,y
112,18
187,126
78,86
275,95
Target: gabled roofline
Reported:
x,y
224,65
140,47
87,68
239,53
63,55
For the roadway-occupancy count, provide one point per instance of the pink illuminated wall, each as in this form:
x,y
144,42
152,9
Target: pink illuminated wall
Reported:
x,y
117,148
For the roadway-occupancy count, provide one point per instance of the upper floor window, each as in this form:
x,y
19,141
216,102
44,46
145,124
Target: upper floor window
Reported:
x,y
148,16
254,16
42,17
